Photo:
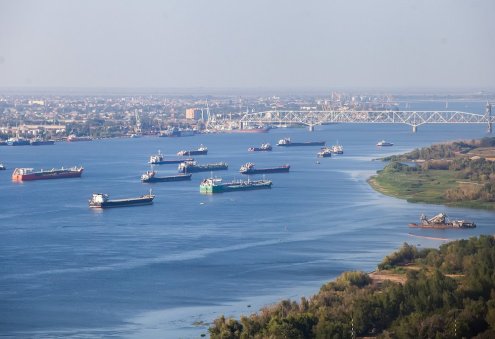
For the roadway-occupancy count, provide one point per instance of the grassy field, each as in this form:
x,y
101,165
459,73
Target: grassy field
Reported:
x,y
425,186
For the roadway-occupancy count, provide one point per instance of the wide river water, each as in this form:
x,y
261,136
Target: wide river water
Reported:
x,y
166,269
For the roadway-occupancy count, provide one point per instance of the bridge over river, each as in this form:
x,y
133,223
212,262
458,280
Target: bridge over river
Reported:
x,y
314,118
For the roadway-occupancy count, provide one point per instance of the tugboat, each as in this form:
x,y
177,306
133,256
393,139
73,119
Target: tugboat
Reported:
x,y
263,148
193,166
249,168
150,176
324,153
158,159
440,221
215,185
202,150
28,174
101,200
384,143
287,142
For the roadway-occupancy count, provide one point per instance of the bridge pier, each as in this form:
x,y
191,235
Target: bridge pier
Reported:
x,y
488,113
415,128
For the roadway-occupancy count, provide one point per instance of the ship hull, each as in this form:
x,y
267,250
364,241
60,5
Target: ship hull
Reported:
x,y
171,161
439,226
18,143
42,143
324,155
309,143
284,169
123,203
193,152
77,139
180,177
47,175
233,187
194,169
258,149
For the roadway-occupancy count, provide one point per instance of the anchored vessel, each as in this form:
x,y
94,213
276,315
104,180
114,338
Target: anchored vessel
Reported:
x,y
288,142
384,143
337,149
249,168
101,200
262,148
324,153
202,150
193,166
17,142
73,137
440,221
215,185
39,142
158,159
150,176
26,174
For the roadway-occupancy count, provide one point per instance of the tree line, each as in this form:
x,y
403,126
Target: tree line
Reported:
x,y
450,293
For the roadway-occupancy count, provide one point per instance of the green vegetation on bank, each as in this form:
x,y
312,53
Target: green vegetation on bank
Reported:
x,y
444,293
455,174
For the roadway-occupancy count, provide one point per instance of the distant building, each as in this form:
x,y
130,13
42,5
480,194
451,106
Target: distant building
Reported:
x,y
193,114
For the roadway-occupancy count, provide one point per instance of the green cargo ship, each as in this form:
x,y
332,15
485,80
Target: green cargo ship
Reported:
x,y
215,185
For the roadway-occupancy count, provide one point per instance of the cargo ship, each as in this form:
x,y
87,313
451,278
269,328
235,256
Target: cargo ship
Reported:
x,y
202,150
17,142
101,200
440,221
193,166
40,142
27,174
324,153
158,159
249,168
73,138
263,148
215,185
288,142
150,176
384,143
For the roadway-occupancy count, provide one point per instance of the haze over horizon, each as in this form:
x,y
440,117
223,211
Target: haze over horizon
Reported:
x,y
383,44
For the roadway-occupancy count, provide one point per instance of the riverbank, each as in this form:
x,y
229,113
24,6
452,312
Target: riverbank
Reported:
x,y
413,294
429,188
458,174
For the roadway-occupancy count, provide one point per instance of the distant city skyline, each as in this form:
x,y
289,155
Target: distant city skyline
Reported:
x,y
220,44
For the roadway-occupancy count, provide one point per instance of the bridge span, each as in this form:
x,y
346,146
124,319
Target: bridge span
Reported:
x,y
412,118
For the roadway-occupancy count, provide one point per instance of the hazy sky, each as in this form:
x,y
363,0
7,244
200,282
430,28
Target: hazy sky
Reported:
x,y
248,44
